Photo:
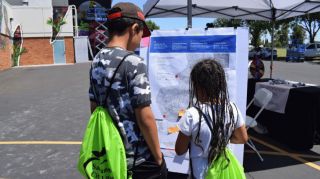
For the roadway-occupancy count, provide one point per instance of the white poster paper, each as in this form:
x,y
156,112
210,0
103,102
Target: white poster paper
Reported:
x,y
172,54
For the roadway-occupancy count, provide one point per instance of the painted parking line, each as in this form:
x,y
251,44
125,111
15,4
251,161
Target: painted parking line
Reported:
x,y
40,143
279,151
281,154
310,164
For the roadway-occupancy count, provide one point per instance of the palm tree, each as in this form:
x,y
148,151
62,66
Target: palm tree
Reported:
x,y
17,52
56,24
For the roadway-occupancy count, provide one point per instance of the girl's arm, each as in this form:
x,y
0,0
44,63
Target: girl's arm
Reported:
x,y
182,143
239,135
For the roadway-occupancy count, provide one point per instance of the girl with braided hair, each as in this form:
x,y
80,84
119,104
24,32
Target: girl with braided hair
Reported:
x,y
211,121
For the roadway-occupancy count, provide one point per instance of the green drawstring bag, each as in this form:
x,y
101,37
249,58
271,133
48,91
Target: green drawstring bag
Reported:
x,y
225,166
222,169
102,153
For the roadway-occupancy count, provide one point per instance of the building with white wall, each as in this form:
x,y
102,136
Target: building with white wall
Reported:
x,y
36,35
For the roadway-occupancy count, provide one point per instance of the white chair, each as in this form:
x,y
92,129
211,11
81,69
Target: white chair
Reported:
x,y
262,97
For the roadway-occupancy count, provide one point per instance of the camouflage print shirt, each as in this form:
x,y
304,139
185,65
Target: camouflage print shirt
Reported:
x,y
130,90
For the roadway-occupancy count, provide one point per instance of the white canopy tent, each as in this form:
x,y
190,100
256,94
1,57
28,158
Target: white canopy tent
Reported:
x,y
266,10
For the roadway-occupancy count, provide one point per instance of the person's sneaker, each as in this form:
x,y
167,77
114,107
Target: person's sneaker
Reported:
x,y
260,129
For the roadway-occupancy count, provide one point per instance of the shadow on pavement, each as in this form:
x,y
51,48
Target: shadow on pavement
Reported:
x,y
282,157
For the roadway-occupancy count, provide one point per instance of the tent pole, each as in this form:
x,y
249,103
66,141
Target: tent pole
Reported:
x,y
189,13
272,46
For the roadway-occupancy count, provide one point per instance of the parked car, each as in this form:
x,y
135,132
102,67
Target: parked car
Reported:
x,y
267,53
253,52
264,53
295,53
312,51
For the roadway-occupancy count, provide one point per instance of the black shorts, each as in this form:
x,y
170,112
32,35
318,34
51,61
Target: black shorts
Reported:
x,y
150,170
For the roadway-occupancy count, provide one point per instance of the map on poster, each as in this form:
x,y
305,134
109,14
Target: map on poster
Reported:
x,y
171,59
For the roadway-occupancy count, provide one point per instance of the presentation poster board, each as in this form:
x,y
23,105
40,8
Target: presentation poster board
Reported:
x,y
1,16
172,54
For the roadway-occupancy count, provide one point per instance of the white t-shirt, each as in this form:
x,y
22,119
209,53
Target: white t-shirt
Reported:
x,y
189,126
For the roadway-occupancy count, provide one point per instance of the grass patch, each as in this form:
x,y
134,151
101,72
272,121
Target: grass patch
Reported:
x,y
281,52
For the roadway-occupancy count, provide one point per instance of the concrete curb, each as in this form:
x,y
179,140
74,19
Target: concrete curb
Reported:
x,y
317,62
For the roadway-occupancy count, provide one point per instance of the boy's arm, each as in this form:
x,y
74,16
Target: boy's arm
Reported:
x,y
148,127
93,106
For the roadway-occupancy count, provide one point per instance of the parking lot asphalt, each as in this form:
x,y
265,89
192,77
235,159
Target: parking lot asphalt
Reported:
x,y
44,112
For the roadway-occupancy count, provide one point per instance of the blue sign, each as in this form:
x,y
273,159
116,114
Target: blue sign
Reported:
x,y
96,14
194,44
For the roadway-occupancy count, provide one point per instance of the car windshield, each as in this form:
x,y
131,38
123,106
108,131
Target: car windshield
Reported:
x,y
311,46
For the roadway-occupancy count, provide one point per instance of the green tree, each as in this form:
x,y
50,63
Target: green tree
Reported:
x,y
281,36
298,34
84,26
267,43
226,23
17,52
311,24
152,25
257,29
56,24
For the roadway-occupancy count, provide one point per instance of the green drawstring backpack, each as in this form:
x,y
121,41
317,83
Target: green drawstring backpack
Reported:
x,y
102,153
221,168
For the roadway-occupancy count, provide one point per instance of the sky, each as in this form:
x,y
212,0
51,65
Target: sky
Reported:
x,y
178,23
170,23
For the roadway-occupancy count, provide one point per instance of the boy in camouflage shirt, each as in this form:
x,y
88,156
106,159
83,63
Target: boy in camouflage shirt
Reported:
x,y
130,97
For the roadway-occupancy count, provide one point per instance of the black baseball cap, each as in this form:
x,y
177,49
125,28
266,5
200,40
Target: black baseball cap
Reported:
x,y
128,10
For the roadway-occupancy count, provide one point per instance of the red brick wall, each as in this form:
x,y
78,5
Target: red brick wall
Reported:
x,y
5,52
39,51
68,41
